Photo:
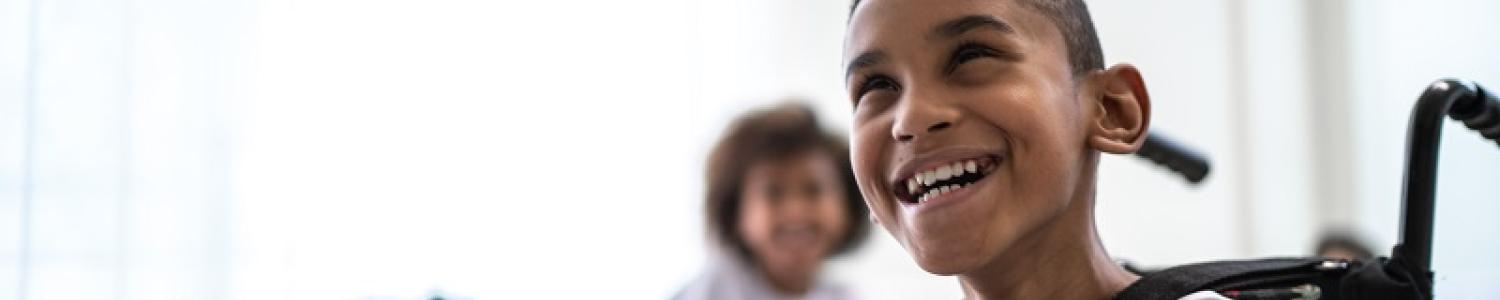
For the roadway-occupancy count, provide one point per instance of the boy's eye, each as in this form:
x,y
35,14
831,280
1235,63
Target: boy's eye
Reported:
x,y
971,51
874,83
966,54
871,84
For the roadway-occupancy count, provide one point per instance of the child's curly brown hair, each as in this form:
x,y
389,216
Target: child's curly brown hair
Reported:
x,y
768,134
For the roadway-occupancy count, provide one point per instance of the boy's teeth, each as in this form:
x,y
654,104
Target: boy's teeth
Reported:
x,y
944,172
935,192
921,180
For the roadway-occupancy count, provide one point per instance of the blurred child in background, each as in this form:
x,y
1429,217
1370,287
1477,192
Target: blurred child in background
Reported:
x,y
781,199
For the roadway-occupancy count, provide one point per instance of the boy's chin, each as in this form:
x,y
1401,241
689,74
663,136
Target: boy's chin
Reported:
x,y
959,252
947,267
950,261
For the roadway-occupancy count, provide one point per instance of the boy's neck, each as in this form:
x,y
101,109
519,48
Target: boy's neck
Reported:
x,y
1065,260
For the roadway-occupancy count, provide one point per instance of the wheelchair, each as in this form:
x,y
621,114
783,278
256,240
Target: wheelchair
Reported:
x,y
1406,274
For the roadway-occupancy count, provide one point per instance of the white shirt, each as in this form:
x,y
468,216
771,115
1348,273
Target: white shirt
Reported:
x,y
726,280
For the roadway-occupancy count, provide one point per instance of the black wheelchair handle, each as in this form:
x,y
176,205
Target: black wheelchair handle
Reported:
x,y
1163,151
1477,109
1480,112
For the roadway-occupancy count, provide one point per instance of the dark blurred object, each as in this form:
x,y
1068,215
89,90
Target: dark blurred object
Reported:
x,y
1163,151
437,294
1343,245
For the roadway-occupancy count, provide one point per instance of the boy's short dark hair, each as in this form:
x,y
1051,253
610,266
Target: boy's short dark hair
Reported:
x,y
778,132
1072,19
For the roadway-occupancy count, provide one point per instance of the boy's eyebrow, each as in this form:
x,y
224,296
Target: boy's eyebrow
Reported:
x,y
963,24
950,29
864,60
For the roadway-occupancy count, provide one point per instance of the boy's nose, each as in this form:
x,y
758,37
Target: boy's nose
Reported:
x,y
918,118
930,128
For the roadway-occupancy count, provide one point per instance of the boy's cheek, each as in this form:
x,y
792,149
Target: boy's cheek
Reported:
x,y
883,209
868,155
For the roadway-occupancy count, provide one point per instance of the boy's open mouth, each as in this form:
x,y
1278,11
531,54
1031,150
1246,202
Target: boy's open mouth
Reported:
x,y
945,178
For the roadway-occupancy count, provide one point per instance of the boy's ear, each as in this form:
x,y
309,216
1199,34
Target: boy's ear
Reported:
x,y
1121,110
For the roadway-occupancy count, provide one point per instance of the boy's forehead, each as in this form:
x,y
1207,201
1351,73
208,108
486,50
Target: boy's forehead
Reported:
x,y
909,21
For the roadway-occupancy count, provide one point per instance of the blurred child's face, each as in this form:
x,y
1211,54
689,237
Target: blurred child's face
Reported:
x,y
792,212
968,134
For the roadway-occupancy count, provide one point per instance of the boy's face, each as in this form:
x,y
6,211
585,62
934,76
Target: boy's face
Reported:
x,y
983,86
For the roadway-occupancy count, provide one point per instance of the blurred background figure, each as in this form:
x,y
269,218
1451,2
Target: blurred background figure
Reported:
x,y
780,200
1343,244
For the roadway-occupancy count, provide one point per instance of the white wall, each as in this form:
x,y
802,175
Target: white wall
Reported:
x,y
482,149
14,59
114,170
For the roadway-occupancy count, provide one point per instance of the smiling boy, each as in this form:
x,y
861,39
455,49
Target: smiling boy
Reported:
x,y
976,138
